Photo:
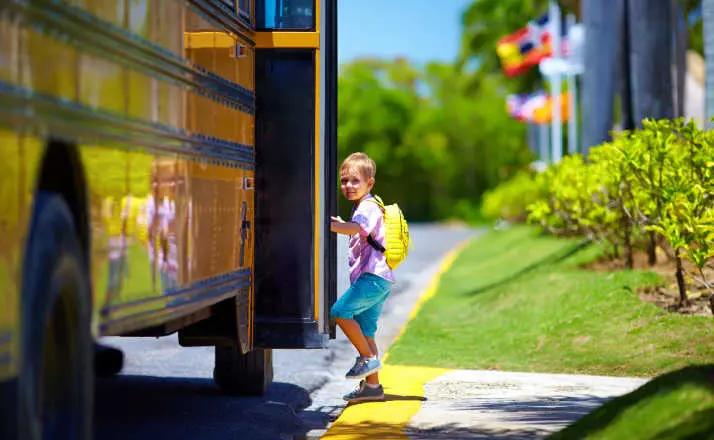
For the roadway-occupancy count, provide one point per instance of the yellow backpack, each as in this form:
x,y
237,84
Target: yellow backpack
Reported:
x,y
396,234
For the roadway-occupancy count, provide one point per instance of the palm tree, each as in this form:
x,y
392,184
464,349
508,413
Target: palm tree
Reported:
x,y
600,52
679,26
650,29
708,22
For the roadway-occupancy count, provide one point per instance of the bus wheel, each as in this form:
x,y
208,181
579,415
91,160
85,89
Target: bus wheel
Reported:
x,y
57,379
241,374
108,361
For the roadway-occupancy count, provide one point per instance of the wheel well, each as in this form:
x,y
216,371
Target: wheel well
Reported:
x,y
62,172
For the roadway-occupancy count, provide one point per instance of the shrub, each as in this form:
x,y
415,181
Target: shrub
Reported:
x,y
649,188
509,200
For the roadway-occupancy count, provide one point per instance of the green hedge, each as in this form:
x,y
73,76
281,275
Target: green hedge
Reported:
x,y
647,189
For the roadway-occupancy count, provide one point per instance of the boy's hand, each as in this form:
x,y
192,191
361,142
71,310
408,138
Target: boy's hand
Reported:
x,y
342,227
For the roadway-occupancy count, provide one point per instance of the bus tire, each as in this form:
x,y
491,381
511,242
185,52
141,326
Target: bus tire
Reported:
x,y
239,374
56,382
108,361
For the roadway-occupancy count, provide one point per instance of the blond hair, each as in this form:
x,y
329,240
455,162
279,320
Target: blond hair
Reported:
x,y
362,163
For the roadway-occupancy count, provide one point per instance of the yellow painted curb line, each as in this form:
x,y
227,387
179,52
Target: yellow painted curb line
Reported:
x,y
403,391
403,386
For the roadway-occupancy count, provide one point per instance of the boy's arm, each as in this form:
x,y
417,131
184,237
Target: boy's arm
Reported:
x,y
342,227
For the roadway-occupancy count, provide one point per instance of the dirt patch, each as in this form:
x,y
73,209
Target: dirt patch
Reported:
x,y
668,299
666,295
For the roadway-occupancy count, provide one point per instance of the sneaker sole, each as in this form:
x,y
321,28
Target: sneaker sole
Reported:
x,y
366,399
363,375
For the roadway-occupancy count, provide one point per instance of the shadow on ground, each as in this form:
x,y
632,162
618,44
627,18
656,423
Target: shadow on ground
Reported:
x,y
525,419
457,433
551,411
678,405
393,398
145,407
554,258
371,431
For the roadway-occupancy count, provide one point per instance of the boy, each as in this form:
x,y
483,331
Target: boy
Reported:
x,y
358,309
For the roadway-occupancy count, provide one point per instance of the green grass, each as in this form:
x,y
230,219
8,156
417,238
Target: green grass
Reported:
x,y
518,301
678,405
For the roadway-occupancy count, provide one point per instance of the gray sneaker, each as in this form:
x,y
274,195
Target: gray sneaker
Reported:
x,y
363,367
364,393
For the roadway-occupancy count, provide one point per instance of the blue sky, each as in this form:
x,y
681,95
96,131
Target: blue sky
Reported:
x,y
419,30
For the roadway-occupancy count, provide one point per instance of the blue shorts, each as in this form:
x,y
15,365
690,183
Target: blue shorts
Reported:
x,y
363,302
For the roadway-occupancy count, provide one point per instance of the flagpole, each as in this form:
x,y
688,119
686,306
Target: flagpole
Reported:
x,y
532,137
543,144
555,81
573,91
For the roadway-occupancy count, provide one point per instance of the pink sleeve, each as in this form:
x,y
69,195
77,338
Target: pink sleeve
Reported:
x,y
367,216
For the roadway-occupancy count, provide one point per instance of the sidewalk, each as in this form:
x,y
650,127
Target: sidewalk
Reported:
x,y
434,403
426,403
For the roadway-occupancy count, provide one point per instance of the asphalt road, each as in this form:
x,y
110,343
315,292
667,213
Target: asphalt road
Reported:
x,y
166,391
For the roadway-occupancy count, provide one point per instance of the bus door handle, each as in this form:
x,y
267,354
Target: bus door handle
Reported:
x,y
244,229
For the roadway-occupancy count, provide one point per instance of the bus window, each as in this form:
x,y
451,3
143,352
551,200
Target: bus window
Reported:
x,y
230,3
286,15
244,8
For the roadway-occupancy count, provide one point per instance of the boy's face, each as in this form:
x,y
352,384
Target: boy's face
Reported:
x,y
354,185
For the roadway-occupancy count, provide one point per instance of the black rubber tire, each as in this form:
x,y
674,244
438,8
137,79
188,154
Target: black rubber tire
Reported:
x,y
108,361
56,383
241,374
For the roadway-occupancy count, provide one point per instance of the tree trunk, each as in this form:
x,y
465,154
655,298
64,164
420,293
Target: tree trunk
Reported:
x,y
651,249
683,300
650,27
598,80
708,22
627,249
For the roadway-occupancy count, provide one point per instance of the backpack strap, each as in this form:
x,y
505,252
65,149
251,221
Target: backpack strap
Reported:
x,y
377,201
371,240
375,244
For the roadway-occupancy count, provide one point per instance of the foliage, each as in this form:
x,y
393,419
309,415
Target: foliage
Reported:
x,y
509,200
437,147
487,21
441,135
651,187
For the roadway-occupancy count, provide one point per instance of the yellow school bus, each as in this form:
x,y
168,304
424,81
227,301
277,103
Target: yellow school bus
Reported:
x,y
166,166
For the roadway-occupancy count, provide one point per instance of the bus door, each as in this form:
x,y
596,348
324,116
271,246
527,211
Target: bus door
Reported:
x,y
296,172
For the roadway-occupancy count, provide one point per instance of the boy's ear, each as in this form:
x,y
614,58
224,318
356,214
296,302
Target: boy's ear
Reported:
x,y
370,182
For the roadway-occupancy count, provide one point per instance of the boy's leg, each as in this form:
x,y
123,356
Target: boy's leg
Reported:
x,y
353,302
367,362
354,333
373,379
367,321
369,388
347,311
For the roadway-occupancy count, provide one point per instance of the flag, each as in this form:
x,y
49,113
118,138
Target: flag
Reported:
x,y
532,104
526,47
544,113
514,105
535,107
522,107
